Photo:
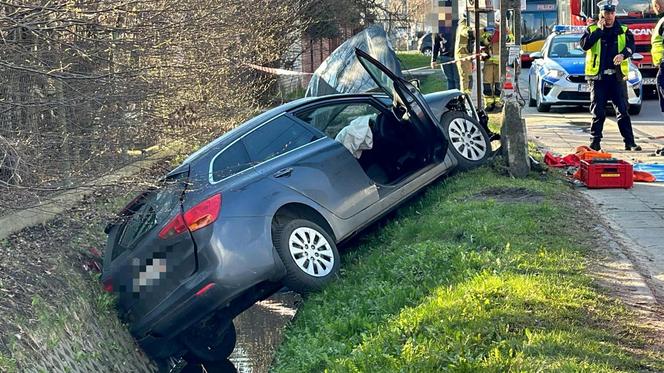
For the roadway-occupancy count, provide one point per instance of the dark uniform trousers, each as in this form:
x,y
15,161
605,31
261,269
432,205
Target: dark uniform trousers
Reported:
x,y
610,87
660,86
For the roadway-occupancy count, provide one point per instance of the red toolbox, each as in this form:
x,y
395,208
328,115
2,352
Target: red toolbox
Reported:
x,y
607,173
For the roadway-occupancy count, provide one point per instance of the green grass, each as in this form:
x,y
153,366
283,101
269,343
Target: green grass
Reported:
x,y
7,364
432,83
460,283
412,60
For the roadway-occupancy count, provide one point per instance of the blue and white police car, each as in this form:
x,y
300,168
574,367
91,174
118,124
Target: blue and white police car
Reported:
x,y
556,76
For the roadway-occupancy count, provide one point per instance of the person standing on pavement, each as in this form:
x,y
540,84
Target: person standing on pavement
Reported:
x,y
440,53
464,45
657,51
608,45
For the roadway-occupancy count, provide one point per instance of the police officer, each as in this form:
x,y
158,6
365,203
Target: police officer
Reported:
x,y
608,46
464,44
657,51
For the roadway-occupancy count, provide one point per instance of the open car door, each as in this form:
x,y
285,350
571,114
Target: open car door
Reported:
x,y
408,105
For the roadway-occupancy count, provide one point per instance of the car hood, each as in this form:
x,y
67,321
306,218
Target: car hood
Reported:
x,y
573,66
341,72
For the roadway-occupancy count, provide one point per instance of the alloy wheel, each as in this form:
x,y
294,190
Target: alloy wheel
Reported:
x,y
467,139
311,252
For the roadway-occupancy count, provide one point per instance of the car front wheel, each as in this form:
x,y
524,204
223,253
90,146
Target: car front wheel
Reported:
x,y
531,100
634,109
468,140
308,253
541,107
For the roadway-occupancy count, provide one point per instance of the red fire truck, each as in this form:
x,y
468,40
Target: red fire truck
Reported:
x,y
637,14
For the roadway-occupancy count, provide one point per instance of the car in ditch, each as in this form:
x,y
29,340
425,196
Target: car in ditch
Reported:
x,y
266,204
557,74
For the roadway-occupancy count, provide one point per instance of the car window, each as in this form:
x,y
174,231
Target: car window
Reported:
x,y
332,119
231,161
276,137
566,47
155,206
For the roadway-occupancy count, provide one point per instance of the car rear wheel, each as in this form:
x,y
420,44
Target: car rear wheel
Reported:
x,y
468,140
212,341
634,109
308,253
427,51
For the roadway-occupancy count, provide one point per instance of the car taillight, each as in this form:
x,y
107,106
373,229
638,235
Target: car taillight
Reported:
x,y
108,285
174,227
197,217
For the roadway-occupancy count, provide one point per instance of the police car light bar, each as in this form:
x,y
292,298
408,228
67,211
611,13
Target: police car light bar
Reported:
x,y
559,29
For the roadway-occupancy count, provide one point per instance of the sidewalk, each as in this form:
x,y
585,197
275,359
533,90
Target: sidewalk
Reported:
x,y
637,214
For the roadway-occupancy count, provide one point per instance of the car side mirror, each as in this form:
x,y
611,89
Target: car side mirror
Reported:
x,y
536,55
637,57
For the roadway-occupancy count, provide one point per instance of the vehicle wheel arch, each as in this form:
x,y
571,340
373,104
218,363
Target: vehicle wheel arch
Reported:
x,y
297,210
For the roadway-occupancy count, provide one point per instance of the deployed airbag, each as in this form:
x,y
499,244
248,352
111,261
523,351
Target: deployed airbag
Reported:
x,y
357,135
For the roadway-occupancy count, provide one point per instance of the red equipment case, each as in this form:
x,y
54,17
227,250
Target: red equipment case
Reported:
x,y
612,174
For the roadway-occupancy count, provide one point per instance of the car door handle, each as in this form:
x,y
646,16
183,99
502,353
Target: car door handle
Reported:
x,y
283,172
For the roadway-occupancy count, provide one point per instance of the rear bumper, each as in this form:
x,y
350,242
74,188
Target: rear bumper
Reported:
x,y
231,269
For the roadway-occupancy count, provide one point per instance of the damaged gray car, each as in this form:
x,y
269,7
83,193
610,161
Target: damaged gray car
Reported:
x,y
266,204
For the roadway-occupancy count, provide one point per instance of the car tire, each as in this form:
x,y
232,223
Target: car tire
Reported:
x,y
309,254
427,51
468,141
542,108
531,101
206,348
634,109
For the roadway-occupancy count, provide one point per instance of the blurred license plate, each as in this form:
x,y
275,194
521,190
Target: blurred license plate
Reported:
x,y
649,81
583,88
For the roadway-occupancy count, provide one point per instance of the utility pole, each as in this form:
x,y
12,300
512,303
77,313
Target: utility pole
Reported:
x,y
514,138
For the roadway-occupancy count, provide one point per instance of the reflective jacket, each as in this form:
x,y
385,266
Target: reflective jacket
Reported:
x,y
464,43
594,54
657,42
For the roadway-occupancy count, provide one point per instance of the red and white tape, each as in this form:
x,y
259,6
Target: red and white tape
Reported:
x,y
276,71
471,57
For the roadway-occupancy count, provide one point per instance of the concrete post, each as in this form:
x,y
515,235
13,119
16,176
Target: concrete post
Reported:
x,y
514,140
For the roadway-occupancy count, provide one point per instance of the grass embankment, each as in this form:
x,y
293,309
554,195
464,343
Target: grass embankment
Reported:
x,y
412,60
428,83
56,317
482,273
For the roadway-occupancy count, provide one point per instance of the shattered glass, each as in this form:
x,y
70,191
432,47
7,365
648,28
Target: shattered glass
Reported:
x,y
341,72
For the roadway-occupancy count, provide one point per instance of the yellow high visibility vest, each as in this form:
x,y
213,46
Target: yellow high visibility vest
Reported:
x,y
593,54
657,43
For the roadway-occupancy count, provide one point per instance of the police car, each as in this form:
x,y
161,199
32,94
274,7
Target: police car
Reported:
x,y
557,77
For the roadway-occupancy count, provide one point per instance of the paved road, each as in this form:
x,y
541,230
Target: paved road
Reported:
x,y
636,214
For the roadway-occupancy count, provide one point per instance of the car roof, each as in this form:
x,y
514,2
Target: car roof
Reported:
x,y
252,123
